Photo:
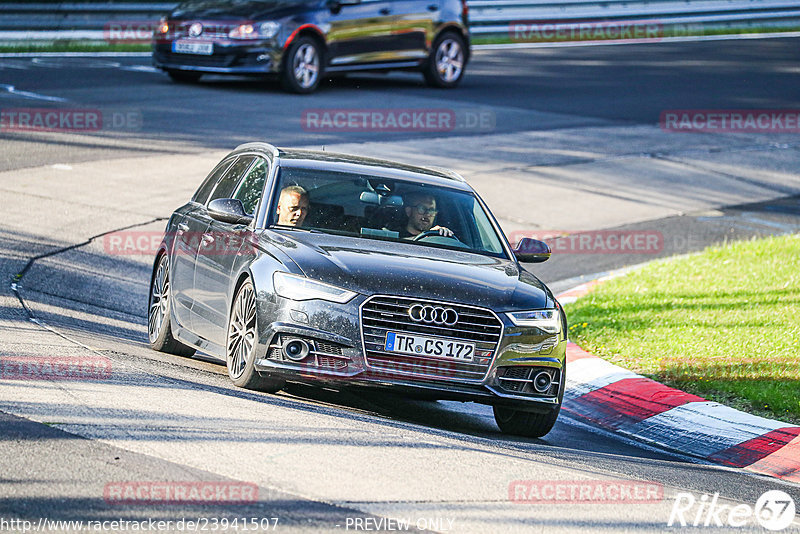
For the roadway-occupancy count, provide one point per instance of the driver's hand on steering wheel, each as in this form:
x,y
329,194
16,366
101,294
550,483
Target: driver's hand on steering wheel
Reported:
x,y
446,232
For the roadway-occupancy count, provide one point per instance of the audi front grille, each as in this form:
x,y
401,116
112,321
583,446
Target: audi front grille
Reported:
x,y
382,314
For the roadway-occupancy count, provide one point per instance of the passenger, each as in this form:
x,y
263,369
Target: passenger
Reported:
x,y
421,211
292,206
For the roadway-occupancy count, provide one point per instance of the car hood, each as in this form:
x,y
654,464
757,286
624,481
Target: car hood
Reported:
x,y
395,268
238,9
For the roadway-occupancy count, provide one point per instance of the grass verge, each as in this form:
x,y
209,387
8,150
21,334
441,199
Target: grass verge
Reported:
x,y
74,46
723,324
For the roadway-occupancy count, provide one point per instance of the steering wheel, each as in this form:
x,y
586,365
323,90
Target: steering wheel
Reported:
x,y
430,233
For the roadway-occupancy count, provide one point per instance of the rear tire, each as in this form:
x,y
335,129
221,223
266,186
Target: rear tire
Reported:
x,y
159,322
240,344
184,76
445,65
302,66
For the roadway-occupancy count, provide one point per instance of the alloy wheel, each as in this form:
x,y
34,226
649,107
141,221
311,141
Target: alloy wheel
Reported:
x,y
241,332
159,300
449,60
306,65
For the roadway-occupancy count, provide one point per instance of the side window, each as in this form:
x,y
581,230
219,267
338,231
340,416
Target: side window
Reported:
x,y
250,189
201,196
228,183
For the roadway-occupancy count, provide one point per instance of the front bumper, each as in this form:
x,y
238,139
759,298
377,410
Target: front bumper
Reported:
x,y
228,57
338,357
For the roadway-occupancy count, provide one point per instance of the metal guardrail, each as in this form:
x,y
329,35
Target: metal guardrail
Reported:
x,y
87,20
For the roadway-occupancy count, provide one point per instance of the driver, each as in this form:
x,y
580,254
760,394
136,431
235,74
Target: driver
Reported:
x,y
292,206
421,212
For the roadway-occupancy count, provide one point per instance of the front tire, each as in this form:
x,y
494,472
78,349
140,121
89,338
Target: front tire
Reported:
x,y
240,344
159,322
529,424
445,65
302,66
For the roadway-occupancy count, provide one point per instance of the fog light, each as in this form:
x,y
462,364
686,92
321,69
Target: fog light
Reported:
x,y
296,349
542,382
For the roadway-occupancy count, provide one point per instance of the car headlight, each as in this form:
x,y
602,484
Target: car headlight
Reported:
x,y
263,30
548,320
294,287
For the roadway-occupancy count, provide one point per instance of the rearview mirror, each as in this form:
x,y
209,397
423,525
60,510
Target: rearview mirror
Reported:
x,y
228,210
532,250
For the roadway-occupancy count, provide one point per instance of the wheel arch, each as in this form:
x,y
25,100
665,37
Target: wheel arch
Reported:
x,y
306,30
453,27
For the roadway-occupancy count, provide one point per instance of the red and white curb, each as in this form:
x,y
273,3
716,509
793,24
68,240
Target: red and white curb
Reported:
x,y
622,401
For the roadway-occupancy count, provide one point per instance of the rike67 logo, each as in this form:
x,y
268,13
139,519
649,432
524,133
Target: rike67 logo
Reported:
x,y
774,510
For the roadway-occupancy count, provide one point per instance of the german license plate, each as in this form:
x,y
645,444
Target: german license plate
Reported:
x,y
190,47
429,346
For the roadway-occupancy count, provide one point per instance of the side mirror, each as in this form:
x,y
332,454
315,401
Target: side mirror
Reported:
x,y
532,250
228,210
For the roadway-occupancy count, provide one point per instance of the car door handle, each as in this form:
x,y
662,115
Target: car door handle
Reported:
x,y
385,11
182,228
433,7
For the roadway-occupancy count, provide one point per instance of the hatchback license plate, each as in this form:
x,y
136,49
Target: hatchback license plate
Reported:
x,y
429,346
189,47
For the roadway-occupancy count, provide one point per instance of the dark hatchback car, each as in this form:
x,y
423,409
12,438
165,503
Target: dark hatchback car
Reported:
x,y
302,40
306,267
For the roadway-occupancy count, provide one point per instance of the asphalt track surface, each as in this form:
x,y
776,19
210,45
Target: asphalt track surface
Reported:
x,y
454,462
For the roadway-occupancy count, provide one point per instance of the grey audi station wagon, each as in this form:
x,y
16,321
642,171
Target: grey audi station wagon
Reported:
x,y
338,270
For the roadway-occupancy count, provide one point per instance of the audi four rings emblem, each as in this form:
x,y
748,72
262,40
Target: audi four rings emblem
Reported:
x,y
433,314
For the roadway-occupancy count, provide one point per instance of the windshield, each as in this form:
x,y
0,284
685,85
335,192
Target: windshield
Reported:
x,y
373,207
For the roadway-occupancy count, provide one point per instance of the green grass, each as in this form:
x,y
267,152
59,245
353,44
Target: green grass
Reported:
x,y
75,46
723,324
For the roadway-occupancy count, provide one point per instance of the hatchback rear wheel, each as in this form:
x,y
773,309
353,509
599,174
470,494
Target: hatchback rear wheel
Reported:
x,y
445,65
